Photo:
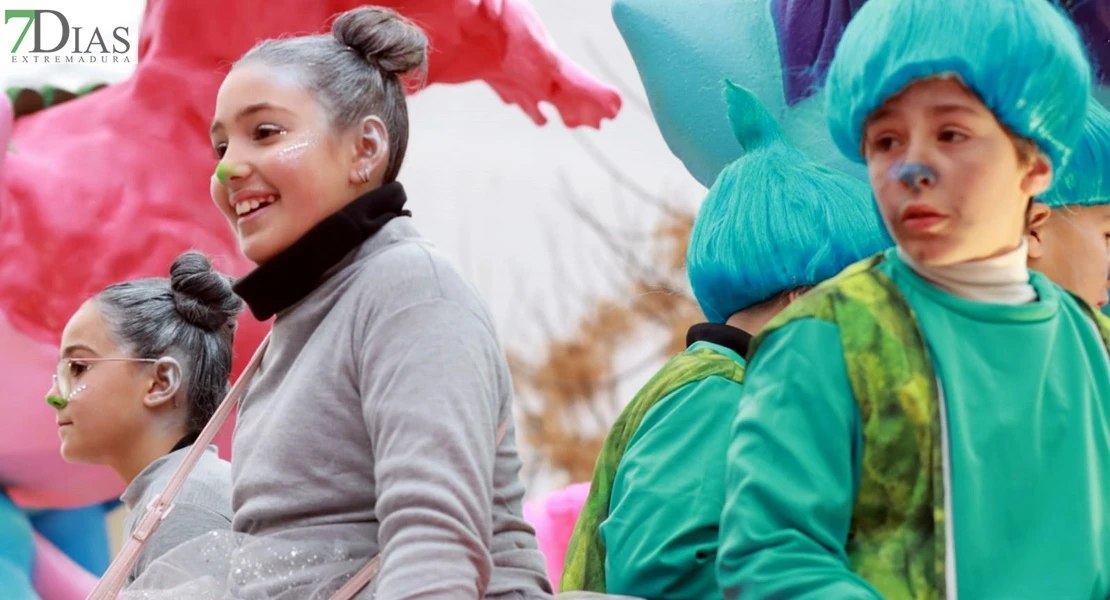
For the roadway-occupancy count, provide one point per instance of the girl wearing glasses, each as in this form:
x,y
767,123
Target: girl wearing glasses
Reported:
x,y
144,364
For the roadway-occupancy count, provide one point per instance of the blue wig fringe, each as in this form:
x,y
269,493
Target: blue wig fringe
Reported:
x,y
775,219
1085,181
1023,58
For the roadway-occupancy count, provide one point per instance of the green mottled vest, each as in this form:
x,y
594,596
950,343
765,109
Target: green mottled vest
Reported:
x,y
897,539
585,562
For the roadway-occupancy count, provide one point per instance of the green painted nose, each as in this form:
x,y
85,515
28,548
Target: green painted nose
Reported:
x,y
224,170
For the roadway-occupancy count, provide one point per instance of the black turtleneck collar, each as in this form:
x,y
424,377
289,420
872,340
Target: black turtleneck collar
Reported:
x,y
730,337
291,275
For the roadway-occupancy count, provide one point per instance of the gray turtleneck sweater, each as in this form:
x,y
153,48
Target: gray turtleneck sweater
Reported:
x,y
202,505
371,426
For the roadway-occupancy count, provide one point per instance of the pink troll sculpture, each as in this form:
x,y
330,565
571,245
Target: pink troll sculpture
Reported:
x,y
554,516
111,186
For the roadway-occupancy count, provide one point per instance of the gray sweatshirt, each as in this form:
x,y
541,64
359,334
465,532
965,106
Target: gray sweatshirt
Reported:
x,y
371,424
202,505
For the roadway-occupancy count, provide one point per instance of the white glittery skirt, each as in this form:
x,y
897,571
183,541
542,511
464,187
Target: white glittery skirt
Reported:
x,y
225,565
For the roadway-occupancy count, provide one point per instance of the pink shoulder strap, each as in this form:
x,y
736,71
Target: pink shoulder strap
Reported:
x,y
115,577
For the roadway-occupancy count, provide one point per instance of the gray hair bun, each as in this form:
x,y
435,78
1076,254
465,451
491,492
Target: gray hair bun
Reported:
x,y
202,295
385,39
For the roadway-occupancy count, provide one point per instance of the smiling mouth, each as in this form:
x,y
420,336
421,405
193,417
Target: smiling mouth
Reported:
x,y
246,207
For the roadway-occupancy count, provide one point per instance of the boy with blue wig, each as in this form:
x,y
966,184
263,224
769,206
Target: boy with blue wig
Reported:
x,y
935,421
774,224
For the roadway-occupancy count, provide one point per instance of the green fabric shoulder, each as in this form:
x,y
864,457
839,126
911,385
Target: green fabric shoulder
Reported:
x,y
897,539
585,562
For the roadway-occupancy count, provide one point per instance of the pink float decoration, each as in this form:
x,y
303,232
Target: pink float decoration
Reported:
x,y
56,577
553,517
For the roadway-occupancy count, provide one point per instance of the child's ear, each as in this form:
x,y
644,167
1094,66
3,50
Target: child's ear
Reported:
x,y
1039,213
371,151
165,383
796,293
1038,177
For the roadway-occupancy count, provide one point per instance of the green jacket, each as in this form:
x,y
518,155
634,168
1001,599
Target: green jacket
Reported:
x,y
654,430
896,539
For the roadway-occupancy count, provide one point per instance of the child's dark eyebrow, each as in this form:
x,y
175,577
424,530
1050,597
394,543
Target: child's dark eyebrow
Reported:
x,y
246,112
946,109
75,347
879,114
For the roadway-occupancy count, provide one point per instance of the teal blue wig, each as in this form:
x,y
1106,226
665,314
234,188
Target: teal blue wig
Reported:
x,y
1023,58
775,219
1085,181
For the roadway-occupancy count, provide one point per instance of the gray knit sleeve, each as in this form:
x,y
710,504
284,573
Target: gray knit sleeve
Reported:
x,y
427,380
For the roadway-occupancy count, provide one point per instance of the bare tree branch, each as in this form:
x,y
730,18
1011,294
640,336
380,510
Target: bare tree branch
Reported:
x,y
625,181
575,391
613,381
641,270
519,299
569,289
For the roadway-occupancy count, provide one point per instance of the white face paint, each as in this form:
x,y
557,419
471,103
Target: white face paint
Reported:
x,y
295,151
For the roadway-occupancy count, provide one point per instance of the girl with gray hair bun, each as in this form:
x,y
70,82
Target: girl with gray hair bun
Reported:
x,y
143,366
380,421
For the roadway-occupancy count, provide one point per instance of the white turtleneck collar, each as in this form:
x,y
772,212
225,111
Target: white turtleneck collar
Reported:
x,y
1000,280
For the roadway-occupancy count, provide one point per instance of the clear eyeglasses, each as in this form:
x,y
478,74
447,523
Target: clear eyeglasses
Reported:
x,y
70,370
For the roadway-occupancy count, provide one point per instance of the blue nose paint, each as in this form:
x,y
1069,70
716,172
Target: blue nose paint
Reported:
x,y
915,175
